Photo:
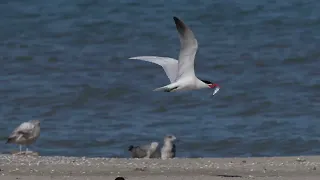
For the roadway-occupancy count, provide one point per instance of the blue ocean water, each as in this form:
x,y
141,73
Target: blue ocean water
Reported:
x,y
66,63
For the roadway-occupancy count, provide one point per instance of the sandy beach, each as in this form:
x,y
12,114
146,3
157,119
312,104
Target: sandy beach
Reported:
x,y
14,167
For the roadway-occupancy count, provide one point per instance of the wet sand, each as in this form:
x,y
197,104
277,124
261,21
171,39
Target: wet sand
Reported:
x,y
22,167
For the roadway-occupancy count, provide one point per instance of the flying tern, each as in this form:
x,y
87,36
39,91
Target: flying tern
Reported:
x,y
181,72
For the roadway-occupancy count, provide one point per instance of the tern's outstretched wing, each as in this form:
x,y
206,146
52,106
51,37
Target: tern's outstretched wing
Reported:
x,y
169,65
188,49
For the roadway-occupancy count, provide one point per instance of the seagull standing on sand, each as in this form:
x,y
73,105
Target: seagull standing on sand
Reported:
x,y
181,73
25,134
145,151
169,148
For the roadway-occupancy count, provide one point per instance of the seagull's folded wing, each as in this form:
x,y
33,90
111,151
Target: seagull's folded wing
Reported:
x,y
25,129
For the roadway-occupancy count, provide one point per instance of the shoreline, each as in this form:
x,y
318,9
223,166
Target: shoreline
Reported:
x,y
60,167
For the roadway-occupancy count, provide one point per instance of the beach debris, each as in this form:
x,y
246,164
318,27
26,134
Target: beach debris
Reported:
x,y
141,169
25,153
301,160
119,178
226,175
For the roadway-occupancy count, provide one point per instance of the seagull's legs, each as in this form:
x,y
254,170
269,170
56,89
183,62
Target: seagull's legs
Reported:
x,y
26,149
20,146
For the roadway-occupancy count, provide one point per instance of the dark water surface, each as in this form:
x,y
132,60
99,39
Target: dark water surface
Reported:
x,y
66,63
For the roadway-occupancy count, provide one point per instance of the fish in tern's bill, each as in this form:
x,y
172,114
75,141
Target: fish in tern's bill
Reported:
x,y
181,72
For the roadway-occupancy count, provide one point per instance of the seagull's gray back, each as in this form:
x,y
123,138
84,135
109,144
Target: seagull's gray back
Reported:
x,y
142,151
138,152
26,133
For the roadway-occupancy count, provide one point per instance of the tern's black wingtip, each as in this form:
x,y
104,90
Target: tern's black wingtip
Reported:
x,y
176,20
181,27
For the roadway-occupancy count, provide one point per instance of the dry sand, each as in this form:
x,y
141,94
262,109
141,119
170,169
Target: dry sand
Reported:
x,y
13,167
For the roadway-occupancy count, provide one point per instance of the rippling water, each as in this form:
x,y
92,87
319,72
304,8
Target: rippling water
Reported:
x,y
66,63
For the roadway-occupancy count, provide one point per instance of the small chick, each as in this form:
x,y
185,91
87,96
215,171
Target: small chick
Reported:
x,y
169,148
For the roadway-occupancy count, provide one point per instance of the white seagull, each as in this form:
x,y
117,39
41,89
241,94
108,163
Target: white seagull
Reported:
x,y
169,148
25,134
181,73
